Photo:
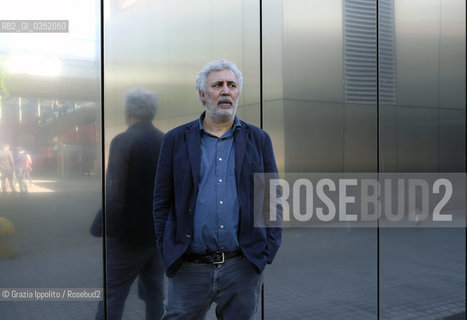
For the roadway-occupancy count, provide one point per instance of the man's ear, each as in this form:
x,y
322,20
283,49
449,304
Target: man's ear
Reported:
x,y
202,96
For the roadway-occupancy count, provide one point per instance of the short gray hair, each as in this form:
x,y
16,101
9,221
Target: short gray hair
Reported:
x,y
217,65
141,104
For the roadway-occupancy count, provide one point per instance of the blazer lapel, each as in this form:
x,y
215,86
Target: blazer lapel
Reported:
x,y
194,150
241,138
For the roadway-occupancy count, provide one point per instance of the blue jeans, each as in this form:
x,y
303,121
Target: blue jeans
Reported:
x,y
124,264
234,286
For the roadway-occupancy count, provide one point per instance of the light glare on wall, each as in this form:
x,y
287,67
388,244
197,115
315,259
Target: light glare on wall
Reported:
x,y
34,65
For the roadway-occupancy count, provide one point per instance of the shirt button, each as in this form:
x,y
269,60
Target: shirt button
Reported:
x,y
221,202
222,226
220,159
220,180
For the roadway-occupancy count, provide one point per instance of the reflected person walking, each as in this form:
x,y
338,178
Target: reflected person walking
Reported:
x,y
130,240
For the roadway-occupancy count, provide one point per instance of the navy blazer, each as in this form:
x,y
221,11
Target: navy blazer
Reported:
x,y
176,188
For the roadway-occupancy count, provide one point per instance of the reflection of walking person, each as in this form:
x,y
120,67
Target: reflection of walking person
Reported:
x,y
7,168
131,243
28,168
23,161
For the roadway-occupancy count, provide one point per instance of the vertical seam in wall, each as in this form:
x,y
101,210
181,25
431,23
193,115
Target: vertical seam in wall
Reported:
x,y
103,156
344,104
211,7
439,89
243,61
377,164
261,104
261,63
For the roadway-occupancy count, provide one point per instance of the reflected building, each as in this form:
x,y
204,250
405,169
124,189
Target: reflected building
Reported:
x,y
51,129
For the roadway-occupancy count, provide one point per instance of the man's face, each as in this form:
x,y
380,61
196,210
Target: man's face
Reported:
x,y
221,95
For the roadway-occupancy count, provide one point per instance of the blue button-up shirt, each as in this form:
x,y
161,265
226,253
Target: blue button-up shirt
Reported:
x,y
217,209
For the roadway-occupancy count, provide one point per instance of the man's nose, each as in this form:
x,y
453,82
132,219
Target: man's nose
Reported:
x,y
225,90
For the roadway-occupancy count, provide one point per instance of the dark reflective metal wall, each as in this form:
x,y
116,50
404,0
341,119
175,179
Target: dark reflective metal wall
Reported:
x,y
347,86
323,118
183,35
422,270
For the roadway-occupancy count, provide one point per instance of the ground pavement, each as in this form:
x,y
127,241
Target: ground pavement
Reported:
x,y
319,273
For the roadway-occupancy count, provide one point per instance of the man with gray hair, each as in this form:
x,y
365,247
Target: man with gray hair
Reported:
x,y
130,239
203,205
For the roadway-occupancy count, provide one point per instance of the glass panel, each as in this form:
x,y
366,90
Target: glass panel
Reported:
x,y
422,129
50,119
161,46
320,108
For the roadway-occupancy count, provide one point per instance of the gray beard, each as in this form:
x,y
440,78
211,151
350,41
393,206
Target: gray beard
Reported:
x,y
220,116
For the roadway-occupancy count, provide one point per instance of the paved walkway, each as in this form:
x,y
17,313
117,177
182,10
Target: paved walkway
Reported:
x,y
318,273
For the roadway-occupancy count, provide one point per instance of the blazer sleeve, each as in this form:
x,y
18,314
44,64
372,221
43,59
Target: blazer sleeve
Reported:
x,y
274,234
163,189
